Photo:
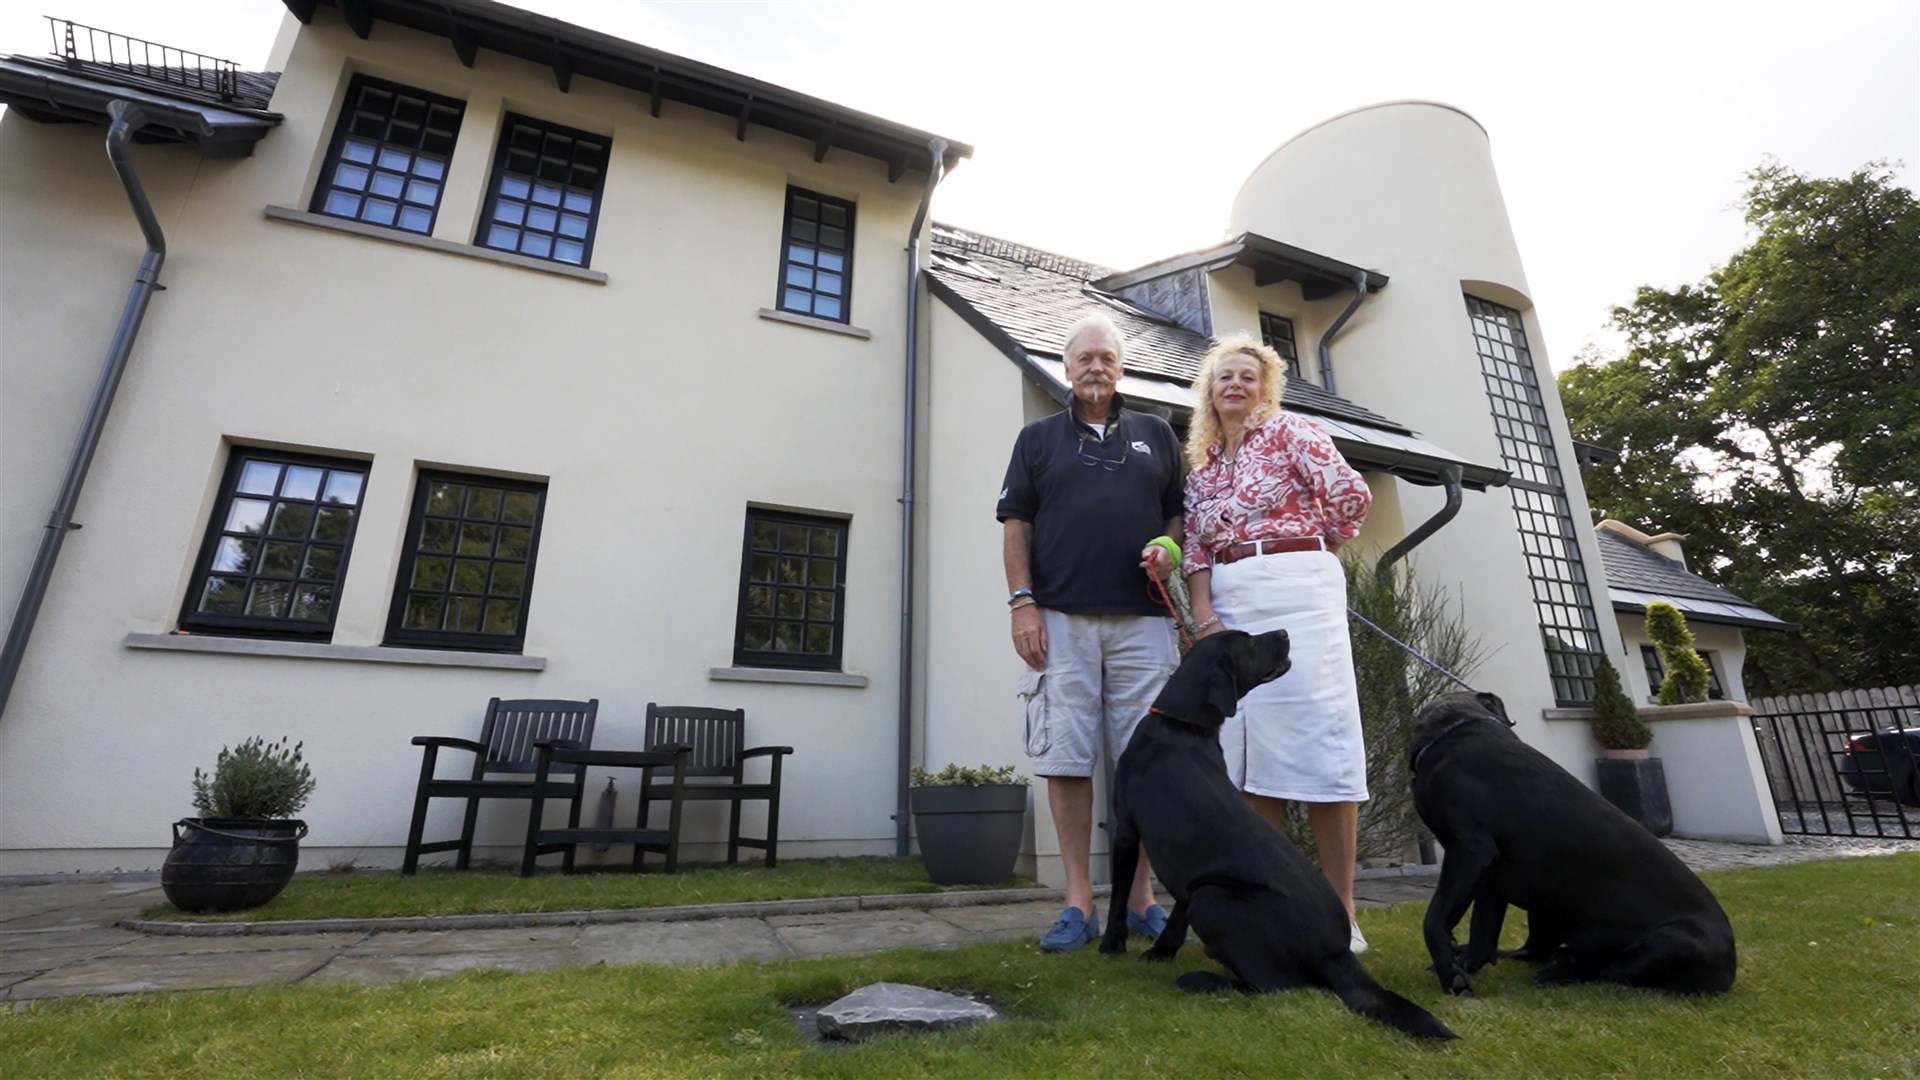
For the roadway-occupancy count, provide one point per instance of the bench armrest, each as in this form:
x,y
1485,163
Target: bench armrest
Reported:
x,y
630,759
764,751
457,744
557,744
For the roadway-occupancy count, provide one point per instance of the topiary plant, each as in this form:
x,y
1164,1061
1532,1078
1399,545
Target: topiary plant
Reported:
x,y
1687,674
257,780
1616,723
964,776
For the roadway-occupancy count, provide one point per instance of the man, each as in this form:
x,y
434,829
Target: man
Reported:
x,y
1086,490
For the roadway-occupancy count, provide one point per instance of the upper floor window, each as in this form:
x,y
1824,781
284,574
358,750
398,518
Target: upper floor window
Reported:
x,y
276,549
816,264
466,570
792,591
1277,332
544,198
388,161
1657,673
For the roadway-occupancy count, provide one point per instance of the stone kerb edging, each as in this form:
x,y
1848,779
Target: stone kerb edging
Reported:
x,y
749,909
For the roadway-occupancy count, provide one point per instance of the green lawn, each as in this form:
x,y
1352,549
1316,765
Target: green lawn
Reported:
x,y
437,891
1828,986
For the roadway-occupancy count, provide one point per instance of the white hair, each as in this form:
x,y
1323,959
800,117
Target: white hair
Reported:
x,y
1095,322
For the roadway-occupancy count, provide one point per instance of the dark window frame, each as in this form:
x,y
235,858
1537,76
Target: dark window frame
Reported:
x,y
498,175
1656,666
787,262
342,130
402,636
194,620
1543,518
1291,352
786,659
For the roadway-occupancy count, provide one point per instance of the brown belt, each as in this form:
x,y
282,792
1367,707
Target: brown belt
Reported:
x,y
1247,549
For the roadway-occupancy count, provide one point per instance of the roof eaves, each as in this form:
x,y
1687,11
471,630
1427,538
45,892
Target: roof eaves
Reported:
x,y
43,93
576,50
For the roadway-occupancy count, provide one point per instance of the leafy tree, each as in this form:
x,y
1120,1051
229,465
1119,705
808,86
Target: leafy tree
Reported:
x,y
1771,412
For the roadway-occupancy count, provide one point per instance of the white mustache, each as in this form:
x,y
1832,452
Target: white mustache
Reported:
x,y
1094,380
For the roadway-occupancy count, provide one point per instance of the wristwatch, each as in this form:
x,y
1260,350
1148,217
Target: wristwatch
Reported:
x,y
1016,594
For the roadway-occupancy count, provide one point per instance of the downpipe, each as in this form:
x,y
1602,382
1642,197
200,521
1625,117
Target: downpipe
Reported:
x,y
1326,339
126,119
936,170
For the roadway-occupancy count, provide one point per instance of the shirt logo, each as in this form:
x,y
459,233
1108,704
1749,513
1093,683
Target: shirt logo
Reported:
x,y
1141,447
1003,493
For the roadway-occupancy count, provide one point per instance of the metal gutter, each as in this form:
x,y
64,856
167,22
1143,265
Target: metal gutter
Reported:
x,y
127,118
909,461
1326,339
47,95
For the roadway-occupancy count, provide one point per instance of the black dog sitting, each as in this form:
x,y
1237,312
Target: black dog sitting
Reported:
x,y
1264,911
1605,900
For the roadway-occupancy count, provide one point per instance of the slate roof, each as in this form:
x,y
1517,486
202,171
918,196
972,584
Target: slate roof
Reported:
x,y
1637,575
1035,296
252,89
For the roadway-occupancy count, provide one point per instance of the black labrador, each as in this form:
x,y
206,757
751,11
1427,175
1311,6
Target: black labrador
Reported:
x,y
1605,900
1264,911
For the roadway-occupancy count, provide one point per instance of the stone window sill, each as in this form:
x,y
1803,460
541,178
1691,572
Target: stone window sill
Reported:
x,y
828,325
782,675
407,239
323,650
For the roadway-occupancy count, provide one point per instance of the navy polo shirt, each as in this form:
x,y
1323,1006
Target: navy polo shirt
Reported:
x,y
1094,502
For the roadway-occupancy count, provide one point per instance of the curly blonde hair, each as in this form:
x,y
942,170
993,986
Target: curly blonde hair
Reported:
x,y
1205,429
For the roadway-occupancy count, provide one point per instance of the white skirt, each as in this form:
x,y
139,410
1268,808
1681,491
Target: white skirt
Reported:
x,y
1298,737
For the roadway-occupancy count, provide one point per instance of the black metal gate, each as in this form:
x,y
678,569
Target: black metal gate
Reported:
x,y
1844,763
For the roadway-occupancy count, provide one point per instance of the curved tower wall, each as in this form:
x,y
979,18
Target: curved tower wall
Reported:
x,y
1409,188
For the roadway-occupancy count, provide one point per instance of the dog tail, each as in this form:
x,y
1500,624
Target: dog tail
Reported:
x,y
1363,994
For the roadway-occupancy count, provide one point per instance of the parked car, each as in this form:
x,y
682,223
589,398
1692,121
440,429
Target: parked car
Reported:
x,y
1885,764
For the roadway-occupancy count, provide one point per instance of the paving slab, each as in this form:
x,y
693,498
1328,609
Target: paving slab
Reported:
x,y
102,937
872,932
1006,919
167,945
429,942
109,975
686,944
1379,892
388,969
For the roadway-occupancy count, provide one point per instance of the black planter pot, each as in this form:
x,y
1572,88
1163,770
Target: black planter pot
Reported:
x,y
230,864
969,835
1638,786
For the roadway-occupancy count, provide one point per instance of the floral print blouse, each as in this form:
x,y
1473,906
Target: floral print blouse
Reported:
x,y
1288,480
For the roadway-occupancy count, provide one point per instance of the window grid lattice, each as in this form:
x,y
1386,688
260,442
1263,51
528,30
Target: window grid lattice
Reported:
x,y
468,570
389,157
1277,331
1562,597
546,191
278,545
816,264
792,591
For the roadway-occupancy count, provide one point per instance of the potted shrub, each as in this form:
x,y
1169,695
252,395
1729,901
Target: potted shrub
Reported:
x,y
244,847
1630,778
968,821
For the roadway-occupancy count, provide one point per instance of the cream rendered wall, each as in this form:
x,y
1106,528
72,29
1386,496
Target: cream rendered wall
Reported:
x,y
658,405
1409,188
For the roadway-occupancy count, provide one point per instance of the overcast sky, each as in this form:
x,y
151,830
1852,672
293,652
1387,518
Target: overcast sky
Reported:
x,y
1119,132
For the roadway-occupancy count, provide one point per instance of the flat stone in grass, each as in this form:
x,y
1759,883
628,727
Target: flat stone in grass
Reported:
x,y
885,1007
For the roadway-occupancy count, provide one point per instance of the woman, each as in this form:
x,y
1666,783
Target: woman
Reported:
x,y
1268,501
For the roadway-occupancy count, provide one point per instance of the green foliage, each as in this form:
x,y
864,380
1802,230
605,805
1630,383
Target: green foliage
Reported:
x,y
1616,722
256,779
1771,412
968,776
1687,675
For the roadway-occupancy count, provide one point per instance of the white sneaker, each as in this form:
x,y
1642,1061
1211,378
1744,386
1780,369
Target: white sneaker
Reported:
x,y
1356,941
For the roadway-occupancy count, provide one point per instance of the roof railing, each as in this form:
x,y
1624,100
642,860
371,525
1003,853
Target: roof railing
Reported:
x,y
150,61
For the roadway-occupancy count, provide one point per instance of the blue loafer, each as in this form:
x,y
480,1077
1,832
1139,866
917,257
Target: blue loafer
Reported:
x,y
1150,924
1070,931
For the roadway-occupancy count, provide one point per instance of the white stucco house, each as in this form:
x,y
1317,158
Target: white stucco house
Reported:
x,y
500,357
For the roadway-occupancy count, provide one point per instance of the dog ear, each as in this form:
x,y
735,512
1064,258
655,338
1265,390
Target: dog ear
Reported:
x,y
1223,685
1495,706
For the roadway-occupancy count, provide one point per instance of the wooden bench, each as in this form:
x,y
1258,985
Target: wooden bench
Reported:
x,y
549,756
716,769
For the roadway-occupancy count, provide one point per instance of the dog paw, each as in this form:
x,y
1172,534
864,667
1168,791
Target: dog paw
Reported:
x,y
1113,947
1456,984
1472,962
1160,955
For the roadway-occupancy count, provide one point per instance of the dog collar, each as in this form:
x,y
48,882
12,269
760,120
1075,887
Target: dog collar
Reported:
x,y
1413,766
1156,710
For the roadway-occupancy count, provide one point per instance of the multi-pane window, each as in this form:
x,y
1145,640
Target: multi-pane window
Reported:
x,y
388,162
276,550
545,193
1657,673
816,264
1277,332
466,571
792,591
1562,598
